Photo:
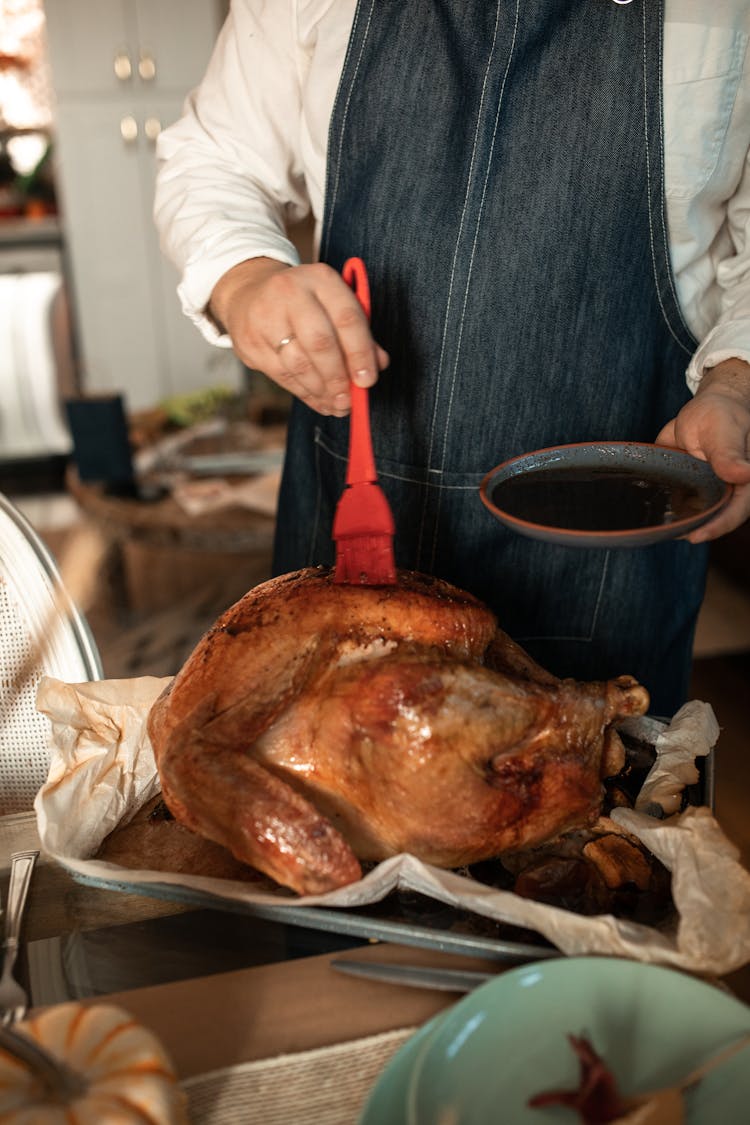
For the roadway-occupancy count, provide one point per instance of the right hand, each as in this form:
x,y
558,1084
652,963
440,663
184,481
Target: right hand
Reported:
x,y
262,302
714,426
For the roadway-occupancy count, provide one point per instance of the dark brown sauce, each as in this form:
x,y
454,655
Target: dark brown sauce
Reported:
x,y
584,499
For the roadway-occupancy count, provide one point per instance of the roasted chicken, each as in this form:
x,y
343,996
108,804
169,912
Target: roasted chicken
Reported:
x,y
316,725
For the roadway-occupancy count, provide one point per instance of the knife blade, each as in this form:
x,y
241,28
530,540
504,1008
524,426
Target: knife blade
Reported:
x,y
418,976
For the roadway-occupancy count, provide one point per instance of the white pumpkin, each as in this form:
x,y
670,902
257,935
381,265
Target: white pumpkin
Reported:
x,y
123,1071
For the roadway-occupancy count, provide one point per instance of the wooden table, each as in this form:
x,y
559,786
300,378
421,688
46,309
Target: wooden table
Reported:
x,y
259,1018
278,1008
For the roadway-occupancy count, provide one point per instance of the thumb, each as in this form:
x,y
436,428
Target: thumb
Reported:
x,y
667,434
730,464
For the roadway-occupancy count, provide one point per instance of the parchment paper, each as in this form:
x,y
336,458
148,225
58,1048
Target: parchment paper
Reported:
x,y
102,771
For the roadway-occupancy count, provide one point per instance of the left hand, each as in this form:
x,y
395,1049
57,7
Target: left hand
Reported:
x,y
715,427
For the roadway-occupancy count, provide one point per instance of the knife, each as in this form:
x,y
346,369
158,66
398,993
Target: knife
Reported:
x,y
418,976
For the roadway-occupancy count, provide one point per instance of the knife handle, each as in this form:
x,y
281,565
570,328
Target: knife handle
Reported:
x,y
21,868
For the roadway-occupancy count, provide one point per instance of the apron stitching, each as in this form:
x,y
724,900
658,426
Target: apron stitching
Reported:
x,y
459,233
599,596
318,502
576,636
476,236
652,238
340,145
439,488
321,444
567,637
468,278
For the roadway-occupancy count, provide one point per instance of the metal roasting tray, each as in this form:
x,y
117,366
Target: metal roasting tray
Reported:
x,y
405,918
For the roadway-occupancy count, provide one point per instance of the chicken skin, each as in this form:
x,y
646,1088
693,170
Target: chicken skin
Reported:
x,y
316,725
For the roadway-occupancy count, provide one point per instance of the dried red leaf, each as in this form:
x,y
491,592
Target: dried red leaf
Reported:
x,y
596,1097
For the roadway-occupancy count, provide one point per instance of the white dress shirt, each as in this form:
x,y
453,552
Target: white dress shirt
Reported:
x,y
248,156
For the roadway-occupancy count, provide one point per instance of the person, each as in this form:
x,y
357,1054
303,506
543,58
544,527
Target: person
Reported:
x,y
553,204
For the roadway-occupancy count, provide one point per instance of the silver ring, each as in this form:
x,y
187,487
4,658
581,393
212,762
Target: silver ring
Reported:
x,y
283,343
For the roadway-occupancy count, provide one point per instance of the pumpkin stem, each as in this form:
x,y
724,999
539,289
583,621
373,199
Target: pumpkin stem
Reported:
x,y
60,1080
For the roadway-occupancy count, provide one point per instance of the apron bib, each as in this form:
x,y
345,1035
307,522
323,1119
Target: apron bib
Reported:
x,y
499,168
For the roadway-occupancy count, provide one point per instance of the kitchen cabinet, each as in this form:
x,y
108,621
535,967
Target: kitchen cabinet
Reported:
x,y
121,70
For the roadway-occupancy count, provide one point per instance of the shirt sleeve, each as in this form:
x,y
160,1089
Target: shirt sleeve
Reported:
x,y
730,335
229,172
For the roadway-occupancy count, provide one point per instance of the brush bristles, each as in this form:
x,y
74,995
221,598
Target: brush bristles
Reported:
x,y
365,560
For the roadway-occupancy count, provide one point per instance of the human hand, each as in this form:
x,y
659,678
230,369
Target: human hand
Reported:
x,y
302,326
715,427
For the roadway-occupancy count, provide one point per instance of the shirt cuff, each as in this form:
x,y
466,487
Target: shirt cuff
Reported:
x,y
726,341
201,275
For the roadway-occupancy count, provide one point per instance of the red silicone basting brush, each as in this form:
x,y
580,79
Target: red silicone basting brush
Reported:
x,y
363,525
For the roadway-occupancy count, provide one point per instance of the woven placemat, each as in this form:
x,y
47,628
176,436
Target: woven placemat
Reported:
x,y
328,1085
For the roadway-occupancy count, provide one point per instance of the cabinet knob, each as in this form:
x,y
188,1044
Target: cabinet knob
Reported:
x,y
128,129
122,66
152,128
147,66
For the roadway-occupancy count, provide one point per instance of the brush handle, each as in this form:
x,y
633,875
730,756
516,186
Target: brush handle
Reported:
x,y
361,464
354,273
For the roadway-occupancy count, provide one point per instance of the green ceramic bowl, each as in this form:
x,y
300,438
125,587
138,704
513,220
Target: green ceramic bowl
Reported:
x,y
481,1061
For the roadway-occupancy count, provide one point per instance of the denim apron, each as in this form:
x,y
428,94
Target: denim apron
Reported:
x,y
499,167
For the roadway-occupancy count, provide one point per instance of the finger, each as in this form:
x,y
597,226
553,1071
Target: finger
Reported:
x,y
295,336
679,435
292,371
735,513
667,435
362,356
315,357
339,405
729,459
715,434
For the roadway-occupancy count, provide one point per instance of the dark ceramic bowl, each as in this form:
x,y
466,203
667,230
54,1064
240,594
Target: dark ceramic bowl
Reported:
x,y
604,494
